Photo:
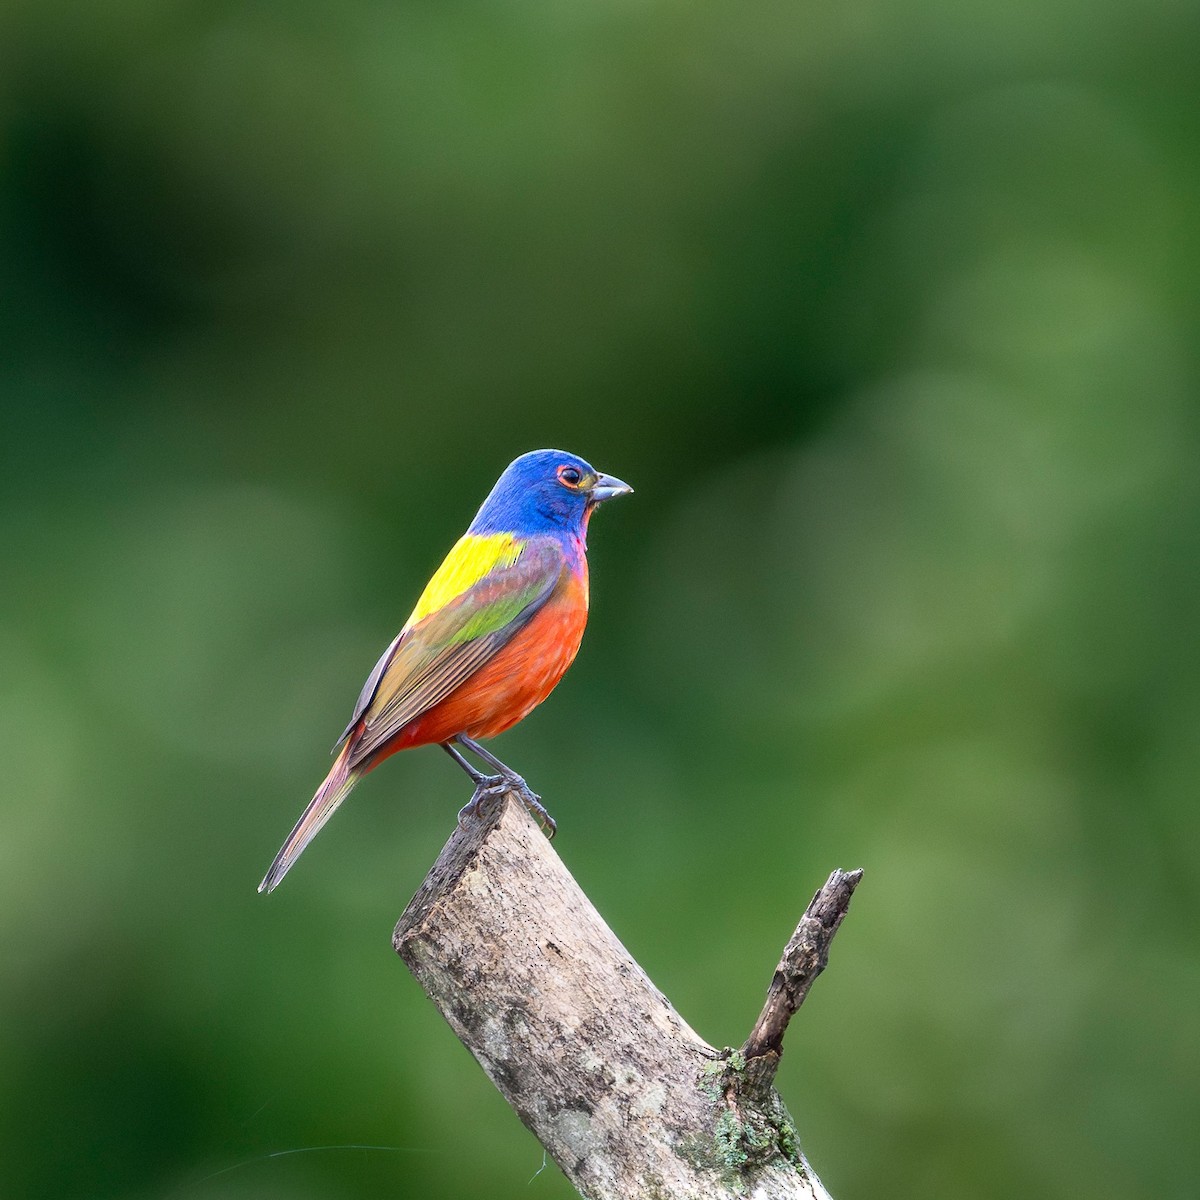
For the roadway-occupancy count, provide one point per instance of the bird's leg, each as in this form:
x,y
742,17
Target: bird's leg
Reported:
x,y
477,776
487,787
512,782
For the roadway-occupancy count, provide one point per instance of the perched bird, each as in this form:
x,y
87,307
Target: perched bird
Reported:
x,y
492,634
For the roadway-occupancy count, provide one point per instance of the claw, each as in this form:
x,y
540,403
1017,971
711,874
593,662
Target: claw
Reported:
x,y
489,787
537,810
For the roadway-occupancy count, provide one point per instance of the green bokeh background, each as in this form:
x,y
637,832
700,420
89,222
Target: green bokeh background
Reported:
x,y
888,310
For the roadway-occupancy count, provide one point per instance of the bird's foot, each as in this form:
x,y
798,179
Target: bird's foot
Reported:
x,y
490,789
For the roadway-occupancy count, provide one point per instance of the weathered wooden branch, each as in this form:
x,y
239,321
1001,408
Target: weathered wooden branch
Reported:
x,y
624,1096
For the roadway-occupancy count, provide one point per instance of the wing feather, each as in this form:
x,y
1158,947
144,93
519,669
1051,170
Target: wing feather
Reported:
x,y
369,689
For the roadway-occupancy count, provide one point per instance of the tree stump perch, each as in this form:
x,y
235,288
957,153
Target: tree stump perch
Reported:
x,y
625,1097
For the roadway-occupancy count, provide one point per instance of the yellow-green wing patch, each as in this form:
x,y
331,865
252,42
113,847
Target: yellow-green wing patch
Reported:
x,y
472,558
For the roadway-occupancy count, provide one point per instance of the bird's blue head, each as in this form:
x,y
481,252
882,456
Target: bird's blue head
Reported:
x,y
546,491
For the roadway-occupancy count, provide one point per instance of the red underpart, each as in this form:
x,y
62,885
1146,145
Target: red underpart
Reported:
x,y
512,684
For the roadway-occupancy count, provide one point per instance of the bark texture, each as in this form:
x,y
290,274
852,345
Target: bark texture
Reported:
x,y
622,1093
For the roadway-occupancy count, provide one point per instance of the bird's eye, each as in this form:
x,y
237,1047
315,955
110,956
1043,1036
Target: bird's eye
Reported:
x,y
570,476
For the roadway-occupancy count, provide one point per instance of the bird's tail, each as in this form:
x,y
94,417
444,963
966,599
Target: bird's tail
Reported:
x,y
320,808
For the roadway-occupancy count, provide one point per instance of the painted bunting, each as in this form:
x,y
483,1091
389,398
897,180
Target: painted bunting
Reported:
x,y
492,634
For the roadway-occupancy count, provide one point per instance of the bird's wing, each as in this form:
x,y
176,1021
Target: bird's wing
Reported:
x,y
440,648
471,559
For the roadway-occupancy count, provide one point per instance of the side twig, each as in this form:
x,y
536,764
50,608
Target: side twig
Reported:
x,y
804,957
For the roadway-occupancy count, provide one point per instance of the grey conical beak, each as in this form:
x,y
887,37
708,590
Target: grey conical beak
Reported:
x,y
608,486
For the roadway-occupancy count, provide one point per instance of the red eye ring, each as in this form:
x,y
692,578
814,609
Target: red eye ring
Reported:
x,y
570,476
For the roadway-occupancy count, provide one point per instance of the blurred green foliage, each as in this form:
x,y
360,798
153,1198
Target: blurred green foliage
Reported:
x,y
888,310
